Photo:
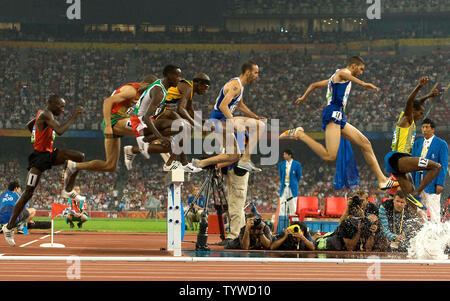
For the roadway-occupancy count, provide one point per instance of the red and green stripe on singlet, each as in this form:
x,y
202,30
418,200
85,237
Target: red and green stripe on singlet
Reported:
x,y
119,110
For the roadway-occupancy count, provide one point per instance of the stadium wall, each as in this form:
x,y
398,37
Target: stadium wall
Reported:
x,y
387,45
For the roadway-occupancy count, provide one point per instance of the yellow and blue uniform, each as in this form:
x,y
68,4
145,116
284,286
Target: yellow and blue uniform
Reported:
x,y
174,96
402,144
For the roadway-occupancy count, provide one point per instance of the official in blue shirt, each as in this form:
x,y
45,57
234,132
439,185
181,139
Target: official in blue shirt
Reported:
x,y
7,201
290,172
435,149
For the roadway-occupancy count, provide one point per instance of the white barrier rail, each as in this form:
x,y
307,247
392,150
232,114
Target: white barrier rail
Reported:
x,y
225,259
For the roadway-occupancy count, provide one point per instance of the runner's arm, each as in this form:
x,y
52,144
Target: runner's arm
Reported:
x,y
231,90
435,92
156,96
190,108
345,75
311,88
52,123
30,124
409,108
186,91
244,109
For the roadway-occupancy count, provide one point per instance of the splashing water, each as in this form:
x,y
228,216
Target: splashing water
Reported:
x,y
430,242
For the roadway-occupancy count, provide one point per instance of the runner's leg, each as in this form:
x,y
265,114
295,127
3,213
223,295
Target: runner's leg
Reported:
x,y
112,151
355,136
33,178
332,140
410,164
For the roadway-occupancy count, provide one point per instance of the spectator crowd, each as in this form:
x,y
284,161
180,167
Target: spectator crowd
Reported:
x,y
86,78
295,7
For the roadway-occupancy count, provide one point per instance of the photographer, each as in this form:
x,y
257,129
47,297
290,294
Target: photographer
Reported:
x,y
353,234
294,238
255,235
236,180
398,222
195,209
359,208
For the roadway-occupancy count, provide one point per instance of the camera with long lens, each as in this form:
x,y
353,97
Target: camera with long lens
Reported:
x,y
356,202
257,223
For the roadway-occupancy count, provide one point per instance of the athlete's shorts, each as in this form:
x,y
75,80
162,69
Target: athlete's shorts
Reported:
x,y
216,114
333,113
113,123
391,161
42,160
218,119
138,125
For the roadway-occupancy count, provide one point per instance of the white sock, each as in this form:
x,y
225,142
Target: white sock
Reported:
x,y
165,157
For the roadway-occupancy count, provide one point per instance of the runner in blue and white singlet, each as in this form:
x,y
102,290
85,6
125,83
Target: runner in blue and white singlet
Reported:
x,y
338,93
230,99
217,113
339,86
337,96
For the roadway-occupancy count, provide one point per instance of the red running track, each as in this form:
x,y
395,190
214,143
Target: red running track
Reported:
x,y
148,245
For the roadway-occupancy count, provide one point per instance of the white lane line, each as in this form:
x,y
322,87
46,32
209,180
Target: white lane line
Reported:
x,y
28,243
33,241
58,231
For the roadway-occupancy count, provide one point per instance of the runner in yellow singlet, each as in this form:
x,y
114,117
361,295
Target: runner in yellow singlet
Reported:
x,y
399,161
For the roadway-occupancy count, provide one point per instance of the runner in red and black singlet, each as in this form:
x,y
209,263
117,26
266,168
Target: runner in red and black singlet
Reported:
x,y
42,140
43,129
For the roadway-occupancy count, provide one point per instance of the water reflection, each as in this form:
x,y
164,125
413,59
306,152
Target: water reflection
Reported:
x,y
293,254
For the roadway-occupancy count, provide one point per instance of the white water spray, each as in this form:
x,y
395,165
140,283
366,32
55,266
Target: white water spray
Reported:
x,y
430,242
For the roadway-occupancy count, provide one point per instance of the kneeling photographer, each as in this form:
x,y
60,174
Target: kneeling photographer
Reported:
x,y
360,208
355,233
294,238
255,235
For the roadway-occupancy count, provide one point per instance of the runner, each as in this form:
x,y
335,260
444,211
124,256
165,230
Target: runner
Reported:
x,y
43,129
333,119
399,161
230,99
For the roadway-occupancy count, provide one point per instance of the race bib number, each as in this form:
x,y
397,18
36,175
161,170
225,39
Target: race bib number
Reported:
x,y
33,135
337,115
423,162
128,125
32,180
